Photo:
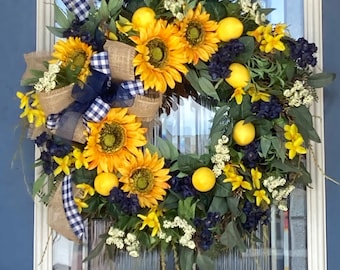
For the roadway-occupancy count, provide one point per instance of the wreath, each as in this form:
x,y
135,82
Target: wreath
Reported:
x,y
92,105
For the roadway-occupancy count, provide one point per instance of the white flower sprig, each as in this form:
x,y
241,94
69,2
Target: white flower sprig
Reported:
x,y
131,243
48,82
299,95
278,192
222,155
175,7
186,239
253,9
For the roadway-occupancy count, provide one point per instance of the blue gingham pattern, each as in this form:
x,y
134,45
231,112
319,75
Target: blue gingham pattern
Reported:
x,y
97,110
80,8
53,121
100,62
71,210
133,88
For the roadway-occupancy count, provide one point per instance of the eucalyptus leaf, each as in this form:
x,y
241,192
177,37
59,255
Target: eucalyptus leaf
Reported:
x,y
188,163
279,148
249,49
233,203
96,251
319,80
265,142
222,190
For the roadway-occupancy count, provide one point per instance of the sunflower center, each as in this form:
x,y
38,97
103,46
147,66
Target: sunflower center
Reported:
x,y
78,59
194,33
112,137
143,180
158,52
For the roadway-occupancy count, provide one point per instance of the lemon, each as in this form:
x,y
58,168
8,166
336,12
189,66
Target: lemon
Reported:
x,y
229,28
239,76
203,179
143,17
104,182
243,133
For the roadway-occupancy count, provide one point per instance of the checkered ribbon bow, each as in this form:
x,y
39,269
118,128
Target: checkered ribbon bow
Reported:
x,y
80,8
71,210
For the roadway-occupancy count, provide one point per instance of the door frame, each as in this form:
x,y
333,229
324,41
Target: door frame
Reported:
x,y
316,201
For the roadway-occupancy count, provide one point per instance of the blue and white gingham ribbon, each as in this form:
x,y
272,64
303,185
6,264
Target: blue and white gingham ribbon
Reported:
x,y
80,8
97,111
134,88
74,218
100,62
53,120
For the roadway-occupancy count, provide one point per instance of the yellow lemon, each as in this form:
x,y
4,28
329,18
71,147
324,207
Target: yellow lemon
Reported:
x,y
203,179
243,133
229,28
239,76
104,182
143,17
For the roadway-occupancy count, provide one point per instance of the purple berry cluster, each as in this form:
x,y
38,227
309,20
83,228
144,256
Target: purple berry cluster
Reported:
x,y
204,226
221,60
127,203
50,146
267,110
255,216
183,186
302,52
251,157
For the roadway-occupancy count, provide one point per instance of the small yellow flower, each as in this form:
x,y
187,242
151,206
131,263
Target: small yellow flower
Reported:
x,y
291,132
280,29
80,204
151,220
63,165
87,190
258,95
270,43
237,181
238,95
123,25
295,147
24,99
257,33
80,160
261,195
256,175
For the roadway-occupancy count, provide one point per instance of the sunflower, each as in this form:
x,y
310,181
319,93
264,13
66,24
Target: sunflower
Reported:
x,y
200,36
145,176
117,136
160,56
74,54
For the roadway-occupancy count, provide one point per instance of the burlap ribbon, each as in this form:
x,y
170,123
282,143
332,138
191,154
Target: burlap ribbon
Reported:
x,y
34,61
57,219
120,60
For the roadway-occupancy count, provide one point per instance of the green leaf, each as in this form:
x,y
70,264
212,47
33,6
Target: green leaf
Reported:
x,y
58,32
233,203
222,190
62,19
204,261
84,176
249,49
186,258
232,238
187,208
319,80
219,204
104,11
188,163
266,142
208,88
279,148
304,122
38,184
96,251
